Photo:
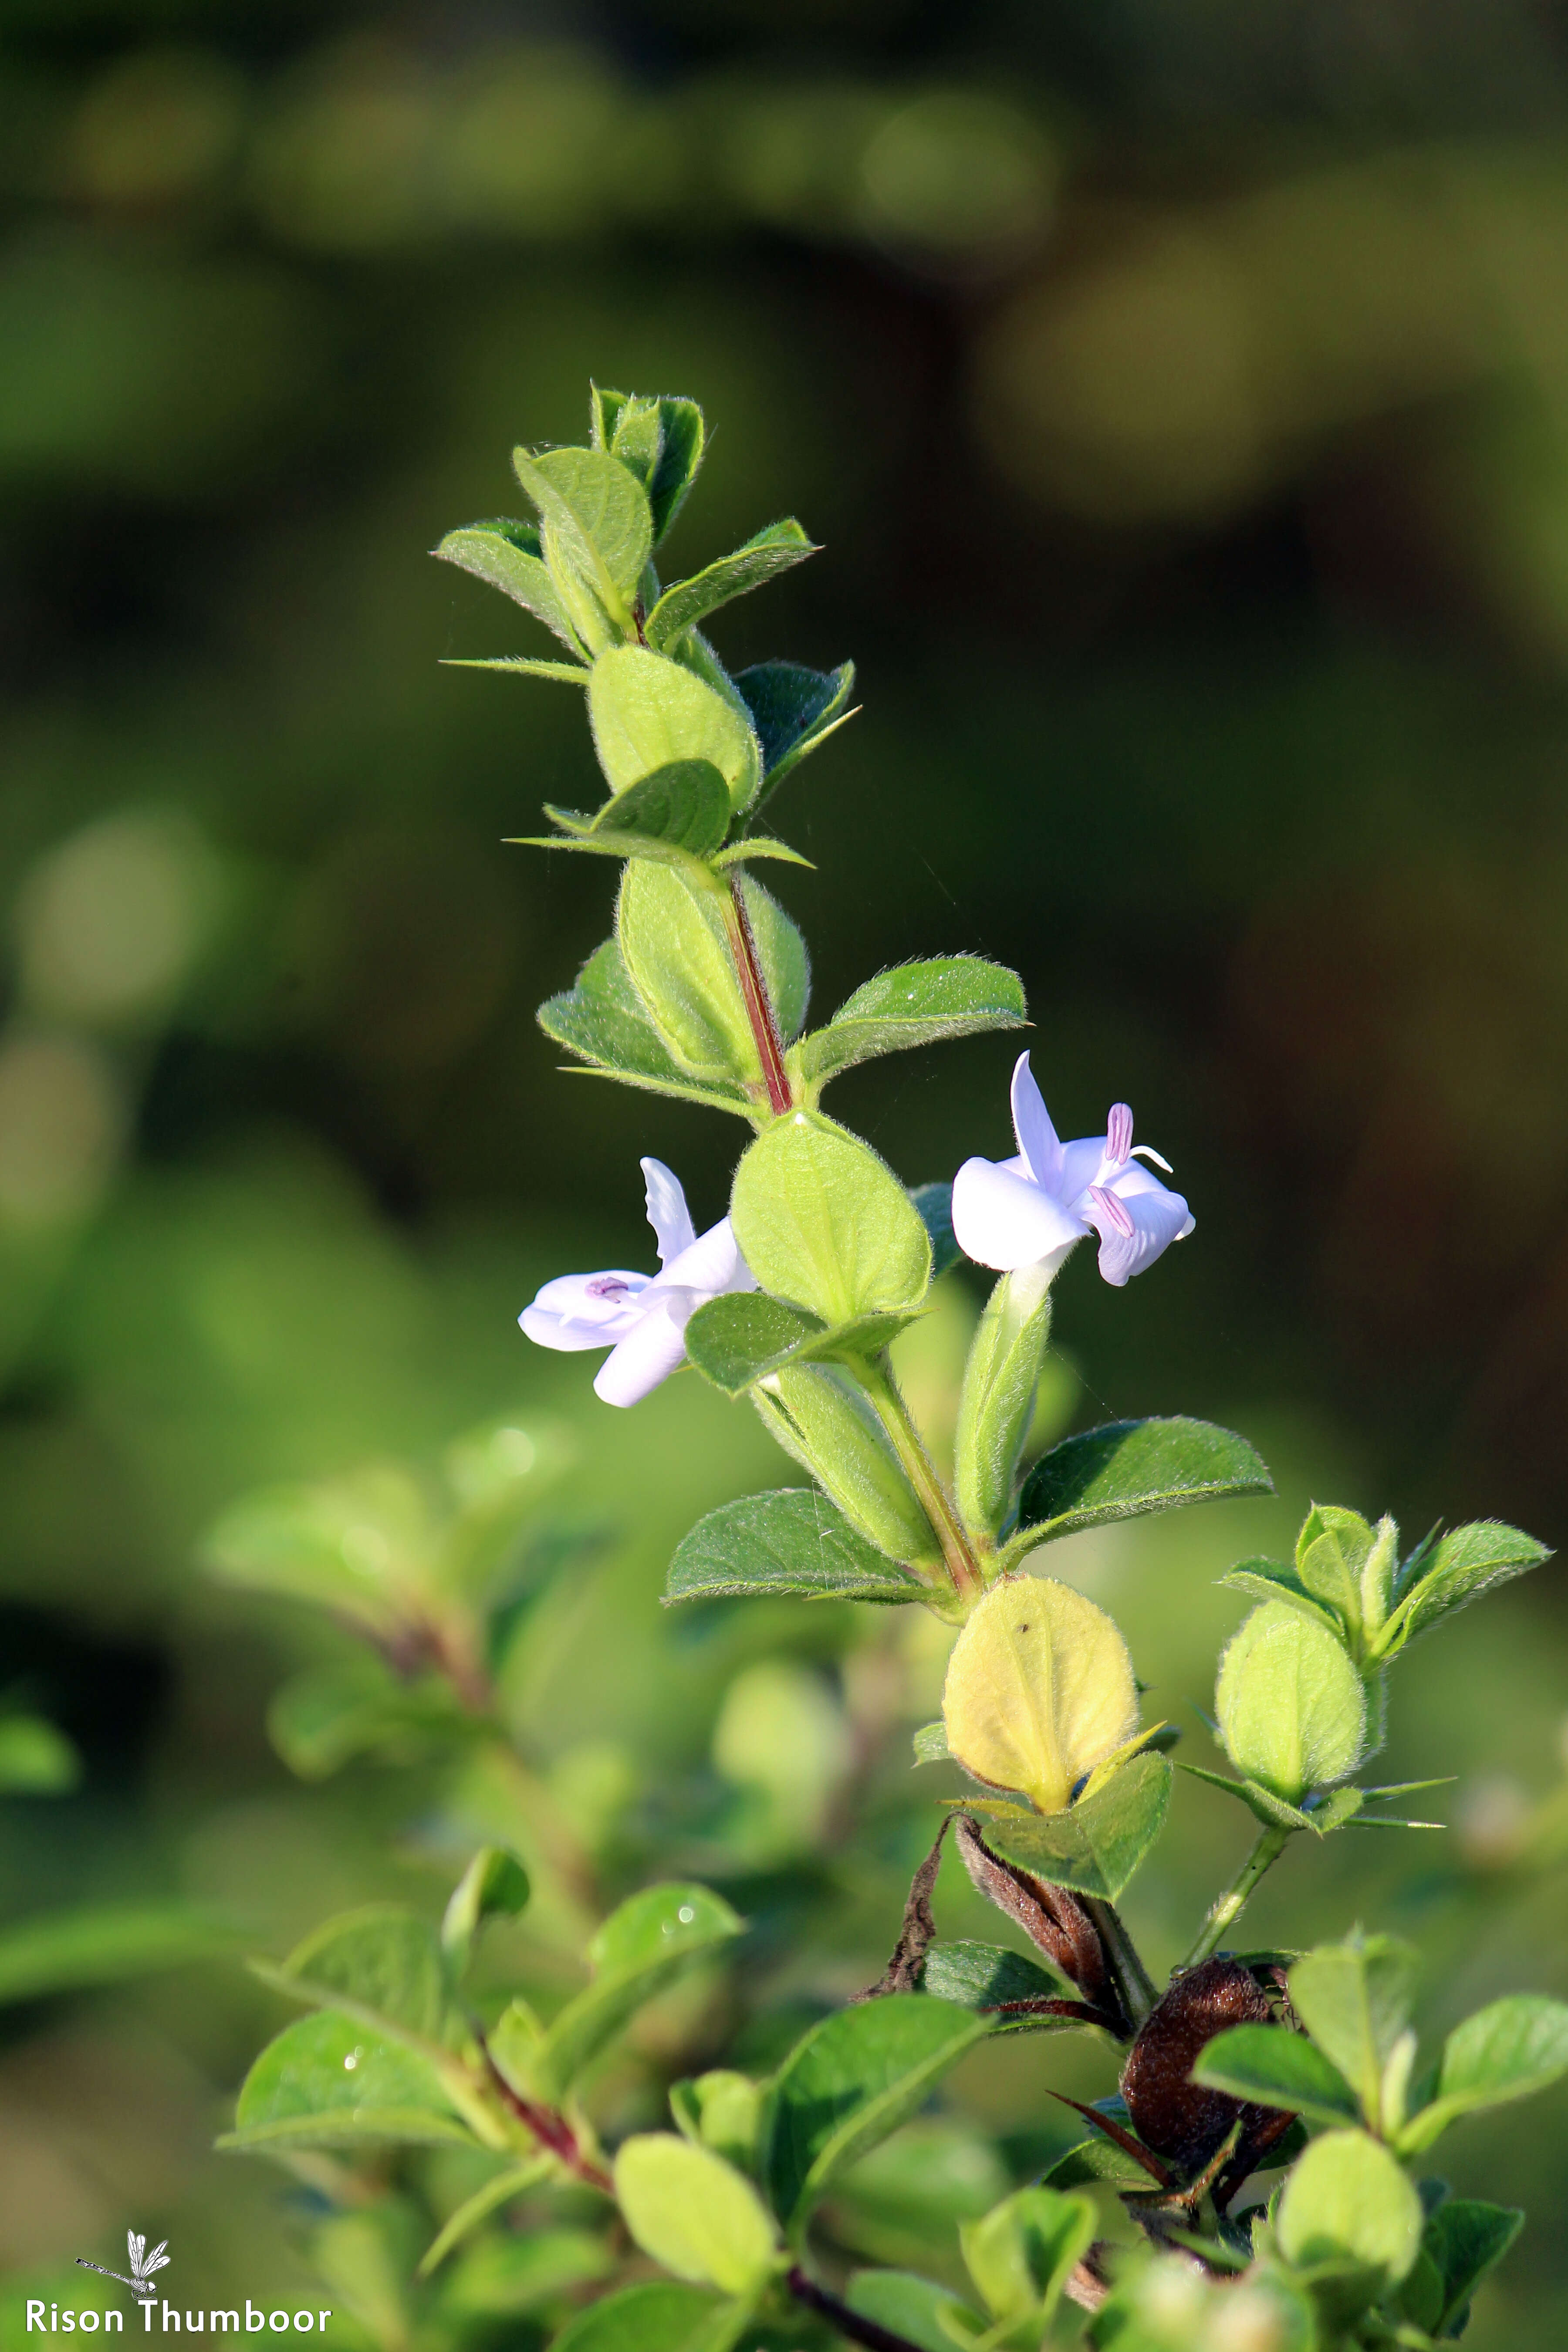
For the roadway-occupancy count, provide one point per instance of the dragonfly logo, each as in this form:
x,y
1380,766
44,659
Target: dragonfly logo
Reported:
x,y
142,2266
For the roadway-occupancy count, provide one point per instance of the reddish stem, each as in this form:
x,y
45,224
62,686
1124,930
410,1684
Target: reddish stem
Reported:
x,y
759,1006
550,2128
851,2324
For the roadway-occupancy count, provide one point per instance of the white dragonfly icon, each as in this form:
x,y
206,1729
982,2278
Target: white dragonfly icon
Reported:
x,y
142,2266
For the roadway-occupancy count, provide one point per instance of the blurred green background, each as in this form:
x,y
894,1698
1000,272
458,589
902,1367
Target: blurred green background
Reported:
x,y
1180,395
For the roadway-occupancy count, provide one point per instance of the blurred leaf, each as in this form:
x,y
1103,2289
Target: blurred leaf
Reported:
x,y
1465,2239
510,2181
1022,2253
791,1541
1098,1845
913,2308
318,1722
1507,2051
601,1018
651,1939
1346,2202
1291,1706
793,711
739,1339
327,2082
1128,1467
914,1004
776,548
647,712
494,1885
356,1545
930,1744
506,555
824,1224
989,1978
379,1963
66,1952
721,2110
694,2213
1276,2068
853,2080
1093,2162
36,1760
518,2272
659,2317
1354,2000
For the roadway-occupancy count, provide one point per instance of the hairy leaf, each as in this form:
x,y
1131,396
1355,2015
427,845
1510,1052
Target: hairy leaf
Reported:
x,y
1291,1706
1128,1467
793,711
739,1339
914,1004
1507,2051
1039,1690
1276,2068
789,1543
506,555
990,1978
824,1224
776,548
602,1019
935,1203
1098,1845
647,712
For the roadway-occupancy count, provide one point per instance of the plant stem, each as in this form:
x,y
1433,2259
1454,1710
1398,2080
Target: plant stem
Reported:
x,y
962,1567
851,2324
1271,1844
759,1005
549,2127
1133,1983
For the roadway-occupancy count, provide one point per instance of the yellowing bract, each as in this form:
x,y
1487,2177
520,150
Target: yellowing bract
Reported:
x,y
1039,1690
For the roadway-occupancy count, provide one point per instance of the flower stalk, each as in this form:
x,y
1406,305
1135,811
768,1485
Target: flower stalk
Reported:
x,y
1271,1844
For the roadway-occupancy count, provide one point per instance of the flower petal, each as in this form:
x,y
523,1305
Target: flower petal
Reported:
x,y
1003,1221
1038,1140
584,1311
710,1264
667,1210
1157,1218
648,1354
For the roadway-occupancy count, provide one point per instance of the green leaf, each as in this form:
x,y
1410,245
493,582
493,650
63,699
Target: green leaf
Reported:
x,y
510,2181
66,1952
494,1885
506,555
914,1004
739,1339
996,1403
1507,2051
791,1542
660,437
1268,1579
721,2110
661,2316
1347,2204
675,939
647,711
318,1721
1094,2163
826,1225
758,844
1331,1552
853,2080
328,2082
504,2277
931,1744
913,2310
1465,2239
1457,1571
1128,1467
694,2213
935,1203
525,666
36,1760
793,711
680,811
352,1545
988,1978
379,1962
1098,1845
1023,2252
1273,2067
597,535
825,1423
1291,1706
777,548
602,1019
653,1939
1354,2000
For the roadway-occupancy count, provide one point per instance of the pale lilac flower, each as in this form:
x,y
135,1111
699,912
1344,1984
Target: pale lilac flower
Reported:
x,y
642,1317
1033,1210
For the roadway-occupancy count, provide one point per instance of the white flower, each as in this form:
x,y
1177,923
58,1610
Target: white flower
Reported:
x,y
642,1317
1033,1210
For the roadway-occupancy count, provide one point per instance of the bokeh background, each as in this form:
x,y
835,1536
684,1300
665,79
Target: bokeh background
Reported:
x,y
1181,396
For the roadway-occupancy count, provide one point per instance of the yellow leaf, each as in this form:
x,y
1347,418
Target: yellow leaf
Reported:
x,y
1039,1690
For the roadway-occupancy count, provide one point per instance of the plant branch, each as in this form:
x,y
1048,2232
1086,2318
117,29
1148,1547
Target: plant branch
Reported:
x,y
1271,1844
759,1004
550,2128
851,2324
963,1566
1131,1978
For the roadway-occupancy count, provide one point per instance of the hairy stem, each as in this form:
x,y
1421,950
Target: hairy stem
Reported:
x,y
1271,1844
1133,1983
851,2324
759,1004
962,1567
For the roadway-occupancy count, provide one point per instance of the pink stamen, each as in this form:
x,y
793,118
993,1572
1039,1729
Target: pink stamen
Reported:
x,y
1118,1134
607,1286
1114,1211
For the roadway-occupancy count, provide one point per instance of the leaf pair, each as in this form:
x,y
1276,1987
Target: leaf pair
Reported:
x,y
1020,2257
